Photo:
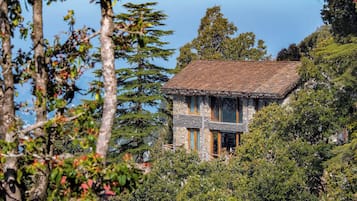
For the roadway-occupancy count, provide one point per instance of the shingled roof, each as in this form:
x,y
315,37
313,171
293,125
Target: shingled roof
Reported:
x,y
263,79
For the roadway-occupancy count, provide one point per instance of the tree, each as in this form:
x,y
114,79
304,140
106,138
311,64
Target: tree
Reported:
x,y
342,15
35,162
333,68
110,83
313,40
40,91
340,174
7,91
215,40
304,48
212,32
243,47
290,54
139,85
167,177
185,57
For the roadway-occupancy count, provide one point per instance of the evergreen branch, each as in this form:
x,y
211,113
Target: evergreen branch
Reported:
x,y
125,28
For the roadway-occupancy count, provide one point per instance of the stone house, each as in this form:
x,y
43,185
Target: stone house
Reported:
x,y
213,101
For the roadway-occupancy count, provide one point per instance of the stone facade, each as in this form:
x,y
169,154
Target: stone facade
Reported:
x,y
184,120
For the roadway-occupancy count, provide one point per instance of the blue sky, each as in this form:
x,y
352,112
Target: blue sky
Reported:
x,y
278,22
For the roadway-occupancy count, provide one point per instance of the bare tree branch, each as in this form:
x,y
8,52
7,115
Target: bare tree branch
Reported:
x,y
42,123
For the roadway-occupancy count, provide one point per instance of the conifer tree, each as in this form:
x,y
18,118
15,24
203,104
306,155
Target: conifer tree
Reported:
x,y
138,116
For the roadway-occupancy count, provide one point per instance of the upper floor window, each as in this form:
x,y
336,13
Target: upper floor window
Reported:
x,y
260,103
256,104
193,104
226,110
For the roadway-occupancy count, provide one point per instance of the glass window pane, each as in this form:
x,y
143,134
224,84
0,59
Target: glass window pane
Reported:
x,y
228,142
192,104
198,139
192,139
215,143
198,99
240,111
215,109
229,110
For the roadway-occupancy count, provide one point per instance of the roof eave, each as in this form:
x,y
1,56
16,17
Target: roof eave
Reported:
x,y
193,92
199,92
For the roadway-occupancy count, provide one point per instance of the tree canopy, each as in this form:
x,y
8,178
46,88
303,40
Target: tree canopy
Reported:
x,y
342,16
139,84
215,40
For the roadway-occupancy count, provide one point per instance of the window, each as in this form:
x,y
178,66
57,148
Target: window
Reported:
x,y
256,104
193,104
226,110
224,143
215,109
229,110
194,139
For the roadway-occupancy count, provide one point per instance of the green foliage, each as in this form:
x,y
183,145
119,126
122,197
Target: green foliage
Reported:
x,y
303,49
313,40
341,173
278,161
343,73
314,115
167,177
212,32
64,153
138,117
272,179
86,177
216,40
185,57
290,54
334,69
205,187
342,15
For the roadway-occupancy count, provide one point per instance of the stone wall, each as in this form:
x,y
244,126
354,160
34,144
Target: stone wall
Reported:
x,y
180,105
205,107
250,108
205,150
180,137
182,120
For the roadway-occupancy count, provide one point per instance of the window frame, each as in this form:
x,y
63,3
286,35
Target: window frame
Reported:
x,y
197,137
196,104
238,136
219,101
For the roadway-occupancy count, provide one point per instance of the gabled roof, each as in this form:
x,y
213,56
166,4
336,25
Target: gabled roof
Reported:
x,y
264,79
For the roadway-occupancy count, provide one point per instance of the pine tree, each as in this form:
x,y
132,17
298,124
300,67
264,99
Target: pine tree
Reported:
x,y
138,117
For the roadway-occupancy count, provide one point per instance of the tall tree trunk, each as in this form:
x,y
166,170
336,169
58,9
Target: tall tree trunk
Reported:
x,y
38,192
110,82
8,109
